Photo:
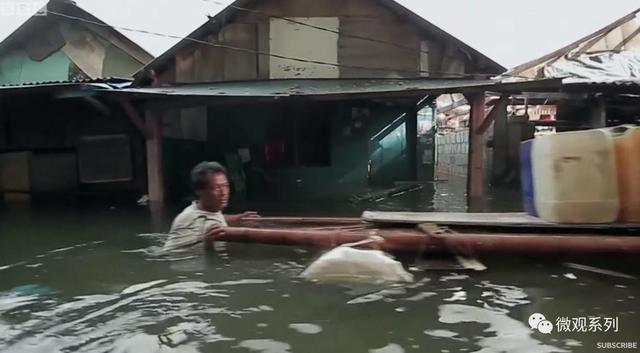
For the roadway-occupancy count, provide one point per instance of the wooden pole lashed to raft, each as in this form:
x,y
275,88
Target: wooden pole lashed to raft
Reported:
x,y
412,240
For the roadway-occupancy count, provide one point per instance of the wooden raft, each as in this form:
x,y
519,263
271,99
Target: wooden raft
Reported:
x,y
425,238
497,220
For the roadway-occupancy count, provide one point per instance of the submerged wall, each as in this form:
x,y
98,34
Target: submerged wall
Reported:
x,y
69,146
452,154
315,150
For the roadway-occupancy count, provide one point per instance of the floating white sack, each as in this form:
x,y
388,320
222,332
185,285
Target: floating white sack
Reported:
x,y
348,264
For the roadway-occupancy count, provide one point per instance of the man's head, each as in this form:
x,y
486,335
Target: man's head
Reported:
x,y
210,183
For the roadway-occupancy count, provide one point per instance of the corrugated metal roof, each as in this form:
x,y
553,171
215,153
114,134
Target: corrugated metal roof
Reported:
x,y
332,87
302,87
622,34
613,86
104,82
309,87
109,80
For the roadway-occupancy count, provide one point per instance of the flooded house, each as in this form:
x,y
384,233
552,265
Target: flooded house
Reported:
x,y
598,82
56,135
592,82
305,99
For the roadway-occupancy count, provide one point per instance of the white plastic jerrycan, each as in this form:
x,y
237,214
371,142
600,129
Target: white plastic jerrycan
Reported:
x,y
574,177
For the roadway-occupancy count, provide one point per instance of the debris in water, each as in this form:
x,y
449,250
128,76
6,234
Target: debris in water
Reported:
x,y
421,296
470,263
265,346
572,343
453,277
390,348
309,329
461,295
598,270
141,286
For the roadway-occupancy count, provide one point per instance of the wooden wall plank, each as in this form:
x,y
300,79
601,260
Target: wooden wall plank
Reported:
x,y
136,52
86,50
359,52
185,67
302,8
365,18
168,75
424,58
298,41
366,9
240,65
263,46
209,65
436,57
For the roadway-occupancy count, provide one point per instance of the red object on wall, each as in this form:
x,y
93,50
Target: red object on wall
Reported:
x,y
274,152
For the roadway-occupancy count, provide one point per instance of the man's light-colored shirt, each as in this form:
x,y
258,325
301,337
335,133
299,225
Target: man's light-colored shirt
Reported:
x,y
189,227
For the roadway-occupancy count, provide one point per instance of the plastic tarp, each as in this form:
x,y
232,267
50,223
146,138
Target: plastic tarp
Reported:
x,y
596,67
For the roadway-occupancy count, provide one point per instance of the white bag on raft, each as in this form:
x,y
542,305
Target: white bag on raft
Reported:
x,y
346,264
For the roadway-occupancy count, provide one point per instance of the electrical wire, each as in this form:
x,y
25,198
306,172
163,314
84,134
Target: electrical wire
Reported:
x,y
341,33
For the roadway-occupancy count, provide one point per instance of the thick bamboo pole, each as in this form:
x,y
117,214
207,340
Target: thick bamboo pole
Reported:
x,y
410,240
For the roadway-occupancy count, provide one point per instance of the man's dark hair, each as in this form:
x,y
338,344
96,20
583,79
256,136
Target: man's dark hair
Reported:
x,y
199,173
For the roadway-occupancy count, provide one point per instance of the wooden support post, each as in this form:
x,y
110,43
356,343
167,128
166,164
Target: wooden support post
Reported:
x,y
500,159
135,118
476,168
411,129
499,108
155,177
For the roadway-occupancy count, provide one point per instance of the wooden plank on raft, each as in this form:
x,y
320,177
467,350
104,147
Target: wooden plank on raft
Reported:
x,y
509,220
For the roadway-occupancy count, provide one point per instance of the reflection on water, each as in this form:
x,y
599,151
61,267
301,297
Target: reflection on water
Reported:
x,y
508,335
84,281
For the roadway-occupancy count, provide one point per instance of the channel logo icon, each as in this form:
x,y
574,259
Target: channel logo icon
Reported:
x,y
538,322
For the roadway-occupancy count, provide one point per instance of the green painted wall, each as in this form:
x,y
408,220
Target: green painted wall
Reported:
x,y
16,68
117,63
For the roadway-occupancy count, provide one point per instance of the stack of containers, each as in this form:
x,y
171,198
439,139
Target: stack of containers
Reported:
x,y
627,147
571,177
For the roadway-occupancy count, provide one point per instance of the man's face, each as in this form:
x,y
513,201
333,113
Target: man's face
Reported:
x,y
215,196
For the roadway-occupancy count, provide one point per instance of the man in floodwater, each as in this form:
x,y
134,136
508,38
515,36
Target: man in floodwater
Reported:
x,y
203,220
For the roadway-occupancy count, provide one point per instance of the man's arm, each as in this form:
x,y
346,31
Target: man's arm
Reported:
x,y
235,218
214,230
